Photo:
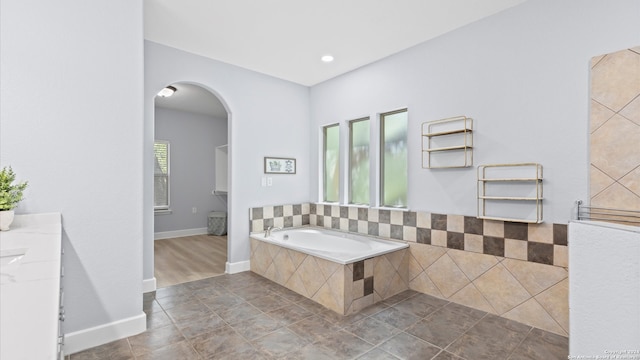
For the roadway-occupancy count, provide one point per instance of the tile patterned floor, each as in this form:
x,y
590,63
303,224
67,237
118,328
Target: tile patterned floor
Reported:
x,y
244,316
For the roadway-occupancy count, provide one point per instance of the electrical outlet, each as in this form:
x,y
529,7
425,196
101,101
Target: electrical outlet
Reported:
x,y
194,210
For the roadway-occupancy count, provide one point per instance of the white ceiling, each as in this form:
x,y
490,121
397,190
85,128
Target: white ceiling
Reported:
x,y
286,38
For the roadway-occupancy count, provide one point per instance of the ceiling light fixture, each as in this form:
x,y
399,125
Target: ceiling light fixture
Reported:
x,y
327,58
168,91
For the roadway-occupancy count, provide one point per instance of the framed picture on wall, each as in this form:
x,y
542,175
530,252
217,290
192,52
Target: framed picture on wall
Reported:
x,y
275,165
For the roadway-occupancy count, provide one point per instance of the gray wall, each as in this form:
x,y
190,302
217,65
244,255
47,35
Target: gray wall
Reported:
x,y
268,117
71,115
522,75
193,139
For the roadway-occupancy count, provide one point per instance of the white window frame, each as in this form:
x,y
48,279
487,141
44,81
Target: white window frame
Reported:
x,y
163,208
380,160
349,167
323,195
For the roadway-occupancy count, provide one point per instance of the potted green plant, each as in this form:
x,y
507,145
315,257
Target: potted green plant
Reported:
x,y
10,196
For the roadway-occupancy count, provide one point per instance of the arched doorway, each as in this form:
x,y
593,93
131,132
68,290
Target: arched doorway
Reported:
x,y
190,239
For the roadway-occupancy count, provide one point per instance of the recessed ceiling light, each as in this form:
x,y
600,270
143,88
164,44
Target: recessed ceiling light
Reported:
x,y
327,58
168,91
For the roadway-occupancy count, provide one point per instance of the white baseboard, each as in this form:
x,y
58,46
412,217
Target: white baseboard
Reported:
x,y
236,267
179,233
102,334
148,285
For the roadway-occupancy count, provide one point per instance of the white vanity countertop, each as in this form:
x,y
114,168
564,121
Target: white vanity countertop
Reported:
x,y
30,287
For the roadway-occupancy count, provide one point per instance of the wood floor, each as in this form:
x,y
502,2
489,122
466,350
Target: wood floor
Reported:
x,y
189,258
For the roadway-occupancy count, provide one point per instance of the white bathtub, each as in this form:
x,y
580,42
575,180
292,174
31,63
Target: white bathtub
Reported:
x,y
339,247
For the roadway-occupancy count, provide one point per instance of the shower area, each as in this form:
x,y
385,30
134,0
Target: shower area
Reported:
x,y
604,241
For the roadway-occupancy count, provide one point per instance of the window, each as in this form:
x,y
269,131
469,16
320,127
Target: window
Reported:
x,y
393,158
331,160
161,175
359,139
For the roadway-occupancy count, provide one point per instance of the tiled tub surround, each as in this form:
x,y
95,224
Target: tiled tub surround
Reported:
x,y
515,270
345,289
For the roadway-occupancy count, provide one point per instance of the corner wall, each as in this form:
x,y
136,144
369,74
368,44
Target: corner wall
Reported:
x,y
71,117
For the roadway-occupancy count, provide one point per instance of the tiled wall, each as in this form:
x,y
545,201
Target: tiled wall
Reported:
x,y
260,218
345,289
615,130
515,270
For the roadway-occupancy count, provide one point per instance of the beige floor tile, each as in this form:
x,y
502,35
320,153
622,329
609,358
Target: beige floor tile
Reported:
x,y
501,289
284,267
328,298
555,301
368,268
616,196
396,286
473,243
561,255
447,276
270,273
409,233
273,250
614,80
614,147
532,313
383,273
596,59
423,220
599,114
533,276
297,257
632,181
311,275
395,258
493,228
327,267
472,264
295,283
439,238
426,254
414,267
455,223
422,283
632,111
472,297
598,181
515,249
542,233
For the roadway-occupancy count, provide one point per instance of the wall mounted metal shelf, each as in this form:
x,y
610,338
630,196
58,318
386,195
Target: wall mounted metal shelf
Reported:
x,y
447,143
510,192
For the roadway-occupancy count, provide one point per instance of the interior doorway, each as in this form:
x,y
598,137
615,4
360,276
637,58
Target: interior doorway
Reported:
x,y
190,210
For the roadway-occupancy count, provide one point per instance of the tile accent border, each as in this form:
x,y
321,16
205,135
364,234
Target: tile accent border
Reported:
x,y
539,243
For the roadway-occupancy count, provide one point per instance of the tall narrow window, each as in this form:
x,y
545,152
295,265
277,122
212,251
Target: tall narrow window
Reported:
x,y
331,157
393,158
161,175
359,140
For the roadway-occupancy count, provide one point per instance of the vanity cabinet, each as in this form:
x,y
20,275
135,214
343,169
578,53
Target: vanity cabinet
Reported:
x,y
31,296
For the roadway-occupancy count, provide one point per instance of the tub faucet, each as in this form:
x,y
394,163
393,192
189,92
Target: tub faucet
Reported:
x,y
271,229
